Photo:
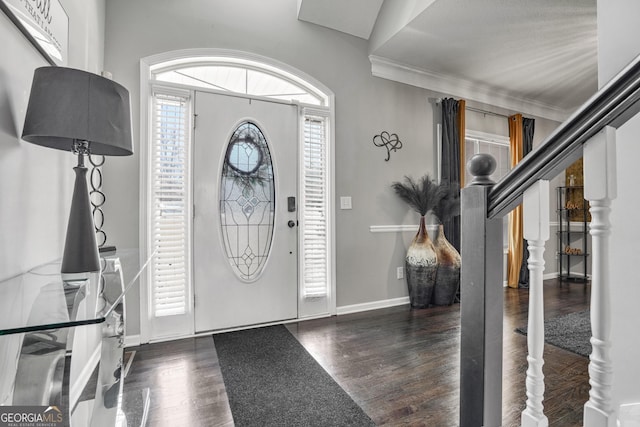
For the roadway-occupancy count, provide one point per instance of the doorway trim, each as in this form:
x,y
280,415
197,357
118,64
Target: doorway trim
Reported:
x,y
241,59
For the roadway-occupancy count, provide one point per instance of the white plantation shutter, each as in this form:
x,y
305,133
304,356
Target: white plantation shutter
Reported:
x,y
169,213
315,239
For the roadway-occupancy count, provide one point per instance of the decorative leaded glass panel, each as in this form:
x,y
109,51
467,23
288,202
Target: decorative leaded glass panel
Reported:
x,y
247,201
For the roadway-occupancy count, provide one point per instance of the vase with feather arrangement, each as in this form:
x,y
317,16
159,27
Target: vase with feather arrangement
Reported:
x,y
449,260
421,261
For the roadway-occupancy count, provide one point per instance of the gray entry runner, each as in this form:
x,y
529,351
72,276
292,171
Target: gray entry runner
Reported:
x,y
271,380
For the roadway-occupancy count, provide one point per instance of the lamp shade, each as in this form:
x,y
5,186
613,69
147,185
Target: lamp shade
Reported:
x,y
68,105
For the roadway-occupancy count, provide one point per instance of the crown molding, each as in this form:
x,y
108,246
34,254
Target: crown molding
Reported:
x,y
391,70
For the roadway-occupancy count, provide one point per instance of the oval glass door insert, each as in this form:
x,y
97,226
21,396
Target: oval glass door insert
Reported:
x,y
247,201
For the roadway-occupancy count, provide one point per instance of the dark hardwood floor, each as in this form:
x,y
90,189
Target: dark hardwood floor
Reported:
x,y
400,365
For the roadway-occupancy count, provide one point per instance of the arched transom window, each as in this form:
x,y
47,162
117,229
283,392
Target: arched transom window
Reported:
x,y
243,77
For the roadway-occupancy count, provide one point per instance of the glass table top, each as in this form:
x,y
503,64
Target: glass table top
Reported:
x,y
43,299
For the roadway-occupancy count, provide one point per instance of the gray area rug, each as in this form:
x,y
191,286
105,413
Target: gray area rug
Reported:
x,y
271,380
571,332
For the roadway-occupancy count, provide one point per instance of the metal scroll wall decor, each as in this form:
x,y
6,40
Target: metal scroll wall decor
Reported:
x,y
390,141
97,197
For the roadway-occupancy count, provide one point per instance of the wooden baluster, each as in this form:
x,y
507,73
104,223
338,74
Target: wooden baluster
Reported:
x,y
600,189
536,231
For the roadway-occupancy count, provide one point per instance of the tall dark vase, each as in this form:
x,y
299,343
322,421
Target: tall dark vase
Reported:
x,y
421,266
448,277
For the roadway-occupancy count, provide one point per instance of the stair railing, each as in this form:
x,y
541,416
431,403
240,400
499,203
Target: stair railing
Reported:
x,y
588,133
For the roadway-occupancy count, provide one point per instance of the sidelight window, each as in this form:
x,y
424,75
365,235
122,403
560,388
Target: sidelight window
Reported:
x,y
169,202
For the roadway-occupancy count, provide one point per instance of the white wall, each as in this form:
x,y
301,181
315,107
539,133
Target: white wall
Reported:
x,y
618,43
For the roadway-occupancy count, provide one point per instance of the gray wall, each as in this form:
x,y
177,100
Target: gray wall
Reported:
x,y
35,182
365,106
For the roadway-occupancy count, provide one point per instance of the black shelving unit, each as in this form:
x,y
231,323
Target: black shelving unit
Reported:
x,y
572,244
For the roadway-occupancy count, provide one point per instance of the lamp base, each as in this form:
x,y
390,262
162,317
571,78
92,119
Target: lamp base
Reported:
x,y
80,247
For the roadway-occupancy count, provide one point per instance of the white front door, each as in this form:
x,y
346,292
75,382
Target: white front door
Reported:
x,y
245,212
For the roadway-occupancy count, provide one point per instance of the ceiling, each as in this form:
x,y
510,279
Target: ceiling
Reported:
x,y
532,56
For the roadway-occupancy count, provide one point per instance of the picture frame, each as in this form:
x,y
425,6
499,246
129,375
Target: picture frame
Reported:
x,y
44,23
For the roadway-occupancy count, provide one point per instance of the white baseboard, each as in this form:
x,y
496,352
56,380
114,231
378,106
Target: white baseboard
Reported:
x,y
125,370
581,275
544,277
577,225
131,340
374,305
554,275
83,377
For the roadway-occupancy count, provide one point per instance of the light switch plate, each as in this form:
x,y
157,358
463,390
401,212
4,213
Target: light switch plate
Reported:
x,y
345,202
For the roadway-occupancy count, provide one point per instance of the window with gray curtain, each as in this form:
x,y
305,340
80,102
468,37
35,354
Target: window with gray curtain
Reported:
x,y
450,162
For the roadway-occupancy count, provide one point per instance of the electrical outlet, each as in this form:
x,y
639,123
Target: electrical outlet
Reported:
x,y
400,273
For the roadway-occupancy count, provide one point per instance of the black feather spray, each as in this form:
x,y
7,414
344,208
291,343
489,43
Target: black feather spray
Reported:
x,y
447,202
422,195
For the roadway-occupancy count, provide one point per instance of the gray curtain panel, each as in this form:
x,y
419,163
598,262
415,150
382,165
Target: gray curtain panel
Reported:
x,y
450,162
528,127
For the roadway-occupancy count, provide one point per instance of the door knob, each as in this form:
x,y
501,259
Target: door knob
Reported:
x,y
291,223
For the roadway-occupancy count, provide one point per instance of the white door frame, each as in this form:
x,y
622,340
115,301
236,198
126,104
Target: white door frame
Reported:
x,y
238,57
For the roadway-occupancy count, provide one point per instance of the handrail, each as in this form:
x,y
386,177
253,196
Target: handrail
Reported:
x,y
612,105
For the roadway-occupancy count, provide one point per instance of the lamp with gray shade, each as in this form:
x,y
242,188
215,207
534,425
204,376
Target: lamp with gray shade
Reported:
x,y
81,112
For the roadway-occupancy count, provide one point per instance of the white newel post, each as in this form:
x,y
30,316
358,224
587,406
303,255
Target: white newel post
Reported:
x,y
600,189
536,231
